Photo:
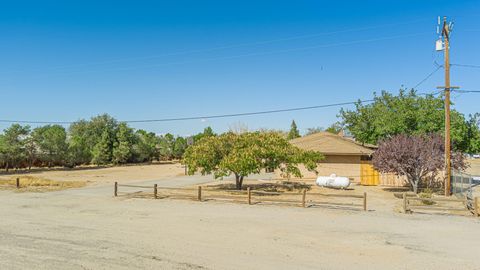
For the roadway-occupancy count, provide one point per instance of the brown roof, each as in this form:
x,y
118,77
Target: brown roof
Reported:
x,y
331,144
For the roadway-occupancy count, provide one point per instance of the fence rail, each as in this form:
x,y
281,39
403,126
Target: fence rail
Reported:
x,y
249,196
408,208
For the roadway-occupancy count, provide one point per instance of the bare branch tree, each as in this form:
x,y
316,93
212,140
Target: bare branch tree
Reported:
x,y
417,157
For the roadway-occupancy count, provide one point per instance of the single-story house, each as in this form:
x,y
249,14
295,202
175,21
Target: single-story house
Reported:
x,y
344,157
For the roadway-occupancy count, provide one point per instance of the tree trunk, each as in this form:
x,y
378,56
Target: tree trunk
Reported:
x,y
238,181
415,188
414,181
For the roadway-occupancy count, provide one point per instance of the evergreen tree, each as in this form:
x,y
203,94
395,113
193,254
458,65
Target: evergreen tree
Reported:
x,y
80,143
30,151
102,151
145,147
13,145
51,141
122,148
294,133
179,147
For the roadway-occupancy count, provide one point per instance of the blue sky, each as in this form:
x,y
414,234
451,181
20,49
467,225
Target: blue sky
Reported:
x,y
66,60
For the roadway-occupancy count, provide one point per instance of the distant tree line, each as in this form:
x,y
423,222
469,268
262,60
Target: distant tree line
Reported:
x,y
101,140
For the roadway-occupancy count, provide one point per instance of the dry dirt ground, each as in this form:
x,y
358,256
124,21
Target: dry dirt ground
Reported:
x,y
100,176
474,168
88,228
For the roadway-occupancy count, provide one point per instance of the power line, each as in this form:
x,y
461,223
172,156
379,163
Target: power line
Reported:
x,y
232,46
463,65
466,91
354,42
210,116
427,77
200,117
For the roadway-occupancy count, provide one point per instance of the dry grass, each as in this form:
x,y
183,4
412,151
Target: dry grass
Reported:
x,y
474,166
37,184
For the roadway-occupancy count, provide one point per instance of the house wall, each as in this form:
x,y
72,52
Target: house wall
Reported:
x,y
346,166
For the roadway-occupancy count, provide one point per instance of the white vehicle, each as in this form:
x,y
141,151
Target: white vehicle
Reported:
x,y
333,181
476,156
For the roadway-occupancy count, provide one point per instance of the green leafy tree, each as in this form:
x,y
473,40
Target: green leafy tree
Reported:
x,y
294,133
207,132
406,113
179,147
245,154
473,134
13,145
335,128
51,141
145,147
85,135
102,152
122,148
314,130
166,146
3,151
80,144
31,151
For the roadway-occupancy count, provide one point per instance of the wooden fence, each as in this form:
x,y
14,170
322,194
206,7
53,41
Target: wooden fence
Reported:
x,y
429,204
17,183
249,196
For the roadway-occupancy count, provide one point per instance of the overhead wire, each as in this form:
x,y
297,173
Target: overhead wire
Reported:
x,y
427,77
262,42
201,117
464,65
466,91
354,42
175,119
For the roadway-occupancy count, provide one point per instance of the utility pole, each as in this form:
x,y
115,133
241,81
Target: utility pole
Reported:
x,y
446,30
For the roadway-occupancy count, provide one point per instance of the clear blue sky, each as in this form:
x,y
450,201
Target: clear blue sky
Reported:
x,y
66,60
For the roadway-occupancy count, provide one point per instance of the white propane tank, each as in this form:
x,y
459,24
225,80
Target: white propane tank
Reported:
x,y
333,181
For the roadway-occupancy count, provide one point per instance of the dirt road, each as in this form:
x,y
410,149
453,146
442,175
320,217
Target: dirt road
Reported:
x,y
88,228
64,230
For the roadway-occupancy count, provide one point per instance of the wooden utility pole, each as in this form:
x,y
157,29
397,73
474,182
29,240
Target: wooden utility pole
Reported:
x,y
448,168
446,29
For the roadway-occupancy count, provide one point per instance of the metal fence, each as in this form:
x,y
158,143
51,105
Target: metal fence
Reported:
x,y
462,184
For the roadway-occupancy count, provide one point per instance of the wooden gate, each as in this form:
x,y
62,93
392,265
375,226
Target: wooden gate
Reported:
x,y
368,175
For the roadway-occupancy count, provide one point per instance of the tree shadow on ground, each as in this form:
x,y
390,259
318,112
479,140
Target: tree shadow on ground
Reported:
x,y
283,186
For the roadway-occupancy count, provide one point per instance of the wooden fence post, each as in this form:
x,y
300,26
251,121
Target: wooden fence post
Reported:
x,y
17,182
404,203
249,192
155,191
199,193
115,189
476,207
365,201
304,195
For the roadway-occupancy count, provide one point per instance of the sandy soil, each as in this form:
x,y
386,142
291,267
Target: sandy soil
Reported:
x,y
100,176
474,167
64,231
87,228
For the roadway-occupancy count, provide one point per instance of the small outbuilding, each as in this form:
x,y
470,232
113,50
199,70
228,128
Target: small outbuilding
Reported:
x,y
343,157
